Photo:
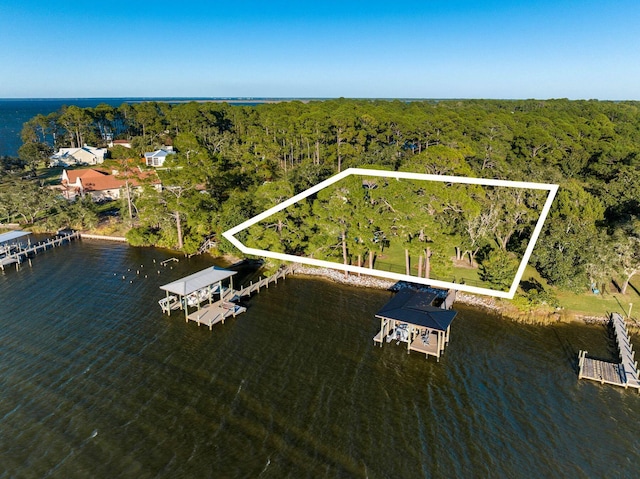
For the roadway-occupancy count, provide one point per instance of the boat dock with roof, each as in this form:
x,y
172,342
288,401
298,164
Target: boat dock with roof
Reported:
x,y
410,317
623,373
212,294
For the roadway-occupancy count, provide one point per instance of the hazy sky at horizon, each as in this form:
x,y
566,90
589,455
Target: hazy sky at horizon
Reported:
x,y
403,49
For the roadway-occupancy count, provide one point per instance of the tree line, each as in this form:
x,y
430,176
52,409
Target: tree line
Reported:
x,y
235,161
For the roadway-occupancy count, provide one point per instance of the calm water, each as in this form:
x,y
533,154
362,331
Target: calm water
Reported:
x,y
96,382
14,113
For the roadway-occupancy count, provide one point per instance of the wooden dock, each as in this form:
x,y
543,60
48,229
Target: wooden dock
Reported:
x,y
19,253
226,307
264,282
410,317
623,373
217,312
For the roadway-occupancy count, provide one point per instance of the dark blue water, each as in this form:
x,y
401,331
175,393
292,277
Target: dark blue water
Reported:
x,y
96,382
14,113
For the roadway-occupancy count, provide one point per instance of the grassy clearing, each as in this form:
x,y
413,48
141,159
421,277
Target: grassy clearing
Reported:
x,y
393,259
598,304
585,303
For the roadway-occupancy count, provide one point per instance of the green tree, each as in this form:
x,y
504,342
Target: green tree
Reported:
x,y
627,252
77,123
35,155
570,240
499,269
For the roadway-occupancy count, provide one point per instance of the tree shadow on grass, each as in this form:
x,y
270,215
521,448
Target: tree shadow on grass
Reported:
x,y
622,308
531,284
634,288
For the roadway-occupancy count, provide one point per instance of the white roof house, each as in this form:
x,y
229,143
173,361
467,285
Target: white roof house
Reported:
x,y
157,158
87,155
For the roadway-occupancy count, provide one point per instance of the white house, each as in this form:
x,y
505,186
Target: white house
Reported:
x,y
87,155
157,158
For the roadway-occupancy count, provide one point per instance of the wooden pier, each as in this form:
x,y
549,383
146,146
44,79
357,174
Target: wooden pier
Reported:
x,y
264,282
623,373
19,253
217,312
201,287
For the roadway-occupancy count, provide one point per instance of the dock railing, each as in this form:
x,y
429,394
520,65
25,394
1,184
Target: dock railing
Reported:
x,y
22,252
264,282
622,373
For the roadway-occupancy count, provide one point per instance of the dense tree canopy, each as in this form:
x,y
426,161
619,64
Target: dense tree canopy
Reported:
x,y
236,161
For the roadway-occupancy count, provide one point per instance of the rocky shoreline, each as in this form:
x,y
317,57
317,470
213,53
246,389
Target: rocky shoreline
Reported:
x,y
488,303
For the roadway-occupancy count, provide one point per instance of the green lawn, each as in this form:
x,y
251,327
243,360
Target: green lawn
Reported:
x,y
50,176
392,258
599,304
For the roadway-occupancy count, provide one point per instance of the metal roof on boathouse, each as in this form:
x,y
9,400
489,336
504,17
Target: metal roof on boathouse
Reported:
x,y
197,281
415,307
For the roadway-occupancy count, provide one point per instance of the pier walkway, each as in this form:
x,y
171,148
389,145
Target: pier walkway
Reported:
x,y
217,312
623,373
16,254
202,287
264,282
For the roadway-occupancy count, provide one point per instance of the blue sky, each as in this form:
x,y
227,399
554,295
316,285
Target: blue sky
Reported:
x,y
393,49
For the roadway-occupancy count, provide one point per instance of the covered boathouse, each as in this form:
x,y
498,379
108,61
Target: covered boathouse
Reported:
x,y
410,317
206,286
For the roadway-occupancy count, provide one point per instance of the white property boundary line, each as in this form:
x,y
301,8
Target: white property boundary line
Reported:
x,y
552,189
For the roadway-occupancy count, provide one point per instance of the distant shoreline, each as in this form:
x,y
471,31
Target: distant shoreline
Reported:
x,y
231,100
171,99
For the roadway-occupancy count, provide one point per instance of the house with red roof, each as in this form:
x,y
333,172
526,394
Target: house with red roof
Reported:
x,y
102,185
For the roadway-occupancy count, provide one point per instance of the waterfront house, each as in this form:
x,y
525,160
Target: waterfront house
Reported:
x,y
87,155
158,157
101,185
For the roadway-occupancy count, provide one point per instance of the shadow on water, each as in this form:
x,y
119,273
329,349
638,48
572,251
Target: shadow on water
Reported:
x,y
569,351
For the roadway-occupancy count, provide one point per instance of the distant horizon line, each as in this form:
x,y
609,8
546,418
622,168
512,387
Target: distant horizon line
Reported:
x,y
267,99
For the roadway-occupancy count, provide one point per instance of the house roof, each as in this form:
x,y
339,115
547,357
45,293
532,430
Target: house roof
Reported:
x,y
82,173
415,307
85,150
98,183
98,180
94,180
158,153
137,177
199,280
